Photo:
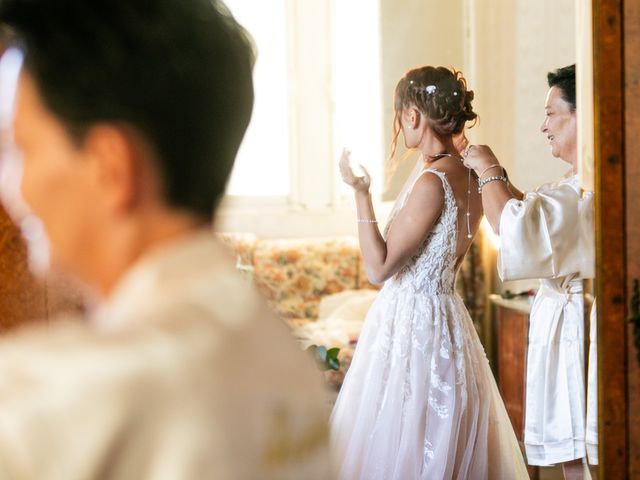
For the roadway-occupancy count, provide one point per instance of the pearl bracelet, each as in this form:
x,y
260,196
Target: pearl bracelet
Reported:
x,y
482,183
366,220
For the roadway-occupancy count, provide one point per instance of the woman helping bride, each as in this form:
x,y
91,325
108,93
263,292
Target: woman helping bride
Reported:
x,y
419,400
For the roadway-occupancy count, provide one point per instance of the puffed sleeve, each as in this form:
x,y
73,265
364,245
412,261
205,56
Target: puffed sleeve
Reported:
x,y
541,235
587,236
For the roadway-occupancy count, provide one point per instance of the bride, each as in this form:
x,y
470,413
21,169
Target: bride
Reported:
x,y
419,400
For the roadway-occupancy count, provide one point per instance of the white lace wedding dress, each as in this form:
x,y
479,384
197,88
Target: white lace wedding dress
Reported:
x,y
419,400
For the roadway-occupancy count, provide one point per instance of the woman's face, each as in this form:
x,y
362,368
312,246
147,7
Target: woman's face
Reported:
x,y
560,126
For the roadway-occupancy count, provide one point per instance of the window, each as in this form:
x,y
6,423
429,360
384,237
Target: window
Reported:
x,y
317,86
356,75
262,165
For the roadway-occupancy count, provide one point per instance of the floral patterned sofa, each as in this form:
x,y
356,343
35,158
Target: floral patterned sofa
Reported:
x,y
299,276
295,274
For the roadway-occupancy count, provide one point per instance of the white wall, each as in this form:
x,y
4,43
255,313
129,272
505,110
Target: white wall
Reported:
x,y
504,48
512,45
412,33
415,33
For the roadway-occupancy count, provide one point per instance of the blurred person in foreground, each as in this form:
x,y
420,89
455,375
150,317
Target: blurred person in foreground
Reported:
x,y
121,122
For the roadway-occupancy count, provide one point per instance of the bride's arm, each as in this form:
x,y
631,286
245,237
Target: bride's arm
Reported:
x,y
407,231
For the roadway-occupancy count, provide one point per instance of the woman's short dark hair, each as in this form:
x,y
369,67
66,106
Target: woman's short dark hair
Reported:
x,y
176,71
565,79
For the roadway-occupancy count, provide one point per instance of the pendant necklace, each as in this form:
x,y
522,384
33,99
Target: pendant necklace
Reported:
x,y
468,215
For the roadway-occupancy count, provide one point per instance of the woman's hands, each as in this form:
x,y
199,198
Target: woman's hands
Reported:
x,y
495,194
479,157
359,184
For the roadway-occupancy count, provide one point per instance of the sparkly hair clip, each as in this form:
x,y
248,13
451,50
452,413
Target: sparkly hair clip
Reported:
x,y
429,89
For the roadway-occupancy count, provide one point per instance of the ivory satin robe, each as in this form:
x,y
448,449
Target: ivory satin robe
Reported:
x,y
181,374
549,235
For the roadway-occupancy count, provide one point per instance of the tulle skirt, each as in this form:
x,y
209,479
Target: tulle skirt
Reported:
x,y
419,400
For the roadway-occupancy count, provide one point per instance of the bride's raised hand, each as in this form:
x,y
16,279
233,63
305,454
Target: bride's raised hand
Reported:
x,y
359,184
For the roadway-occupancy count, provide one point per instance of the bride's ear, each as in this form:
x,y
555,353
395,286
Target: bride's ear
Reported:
x,y
414,117
411,117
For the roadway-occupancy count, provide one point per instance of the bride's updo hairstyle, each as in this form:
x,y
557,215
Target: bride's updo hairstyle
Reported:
x,y
440,94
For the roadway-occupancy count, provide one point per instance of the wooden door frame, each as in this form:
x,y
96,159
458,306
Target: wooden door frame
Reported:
x,y
609,136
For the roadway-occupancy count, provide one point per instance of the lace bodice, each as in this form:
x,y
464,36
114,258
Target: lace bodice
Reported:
x,y
432,269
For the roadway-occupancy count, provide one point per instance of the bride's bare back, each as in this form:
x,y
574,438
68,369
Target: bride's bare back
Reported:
x,y
417,213
467,199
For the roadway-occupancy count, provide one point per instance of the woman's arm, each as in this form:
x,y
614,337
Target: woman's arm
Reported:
x,y
408,230
495,194
515,192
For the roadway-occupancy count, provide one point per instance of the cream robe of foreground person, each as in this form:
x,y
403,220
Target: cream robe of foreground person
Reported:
x,y
548,234
183,374
126,122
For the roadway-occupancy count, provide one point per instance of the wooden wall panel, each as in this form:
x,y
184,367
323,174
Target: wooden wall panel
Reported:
x,y
512,328
22,297
512,334
610,235
632,176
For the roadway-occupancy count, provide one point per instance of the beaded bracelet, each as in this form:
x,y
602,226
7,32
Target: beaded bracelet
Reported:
x,y
489,168
366,220
482,183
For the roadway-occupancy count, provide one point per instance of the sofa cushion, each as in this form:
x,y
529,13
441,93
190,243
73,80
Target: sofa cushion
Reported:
x,y
348,305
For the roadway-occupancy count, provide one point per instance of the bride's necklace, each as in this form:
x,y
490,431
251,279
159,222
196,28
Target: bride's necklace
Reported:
x,y
468,215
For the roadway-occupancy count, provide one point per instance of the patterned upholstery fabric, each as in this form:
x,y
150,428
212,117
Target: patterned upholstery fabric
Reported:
x,y
242,244
295,274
